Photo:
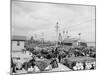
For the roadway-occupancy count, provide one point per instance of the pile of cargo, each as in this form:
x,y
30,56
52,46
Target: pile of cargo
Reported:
x,y
80,63
42,64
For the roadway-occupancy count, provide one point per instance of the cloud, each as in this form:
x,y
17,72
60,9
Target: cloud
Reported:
x,y
34,17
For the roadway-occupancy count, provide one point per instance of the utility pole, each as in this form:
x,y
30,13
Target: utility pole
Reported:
x,y
57,33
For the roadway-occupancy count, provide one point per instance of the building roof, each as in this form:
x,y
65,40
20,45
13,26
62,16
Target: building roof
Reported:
x,y
18,38
69,40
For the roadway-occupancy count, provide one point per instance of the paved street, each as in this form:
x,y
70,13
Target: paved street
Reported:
x,y
60,68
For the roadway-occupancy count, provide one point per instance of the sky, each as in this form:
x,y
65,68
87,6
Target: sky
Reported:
x,y
39,20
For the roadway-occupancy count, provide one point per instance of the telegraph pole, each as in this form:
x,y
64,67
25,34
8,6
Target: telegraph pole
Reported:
x,y
57,33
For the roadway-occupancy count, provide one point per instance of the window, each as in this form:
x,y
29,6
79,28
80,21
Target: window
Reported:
x,y
18,43
82,44
68,44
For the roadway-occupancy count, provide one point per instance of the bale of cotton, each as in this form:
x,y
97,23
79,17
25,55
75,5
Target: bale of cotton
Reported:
x,y
31,69
88,65
94,63
75,68
81,67
78,65
36,69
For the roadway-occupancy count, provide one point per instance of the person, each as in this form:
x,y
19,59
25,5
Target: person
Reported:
x,y
54,63
25,65
30,65
56,52
18,66
59,58
32,62
13,66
